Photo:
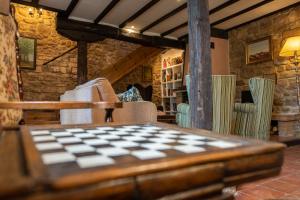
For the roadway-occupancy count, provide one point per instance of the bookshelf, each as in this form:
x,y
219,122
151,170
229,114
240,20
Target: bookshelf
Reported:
x,y
171,79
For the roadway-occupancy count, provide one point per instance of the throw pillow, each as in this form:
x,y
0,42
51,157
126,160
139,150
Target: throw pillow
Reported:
x,y
132,94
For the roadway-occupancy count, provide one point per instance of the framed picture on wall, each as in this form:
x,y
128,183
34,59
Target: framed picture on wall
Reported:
x,y
4,7
147,73
27,51
259,50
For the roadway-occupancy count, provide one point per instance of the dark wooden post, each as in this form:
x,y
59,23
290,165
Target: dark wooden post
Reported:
x,y
200,64
82,62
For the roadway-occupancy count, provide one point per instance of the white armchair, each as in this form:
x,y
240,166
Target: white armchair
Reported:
x,y
101,90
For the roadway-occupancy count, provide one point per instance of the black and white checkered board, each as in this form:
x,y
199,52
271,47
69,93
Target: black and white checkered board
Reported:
x,y
108,146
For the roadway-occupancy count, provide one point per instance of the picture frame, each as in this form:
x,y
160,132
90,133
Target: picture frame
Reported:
x,y
27,52
259,51
4,7
147,73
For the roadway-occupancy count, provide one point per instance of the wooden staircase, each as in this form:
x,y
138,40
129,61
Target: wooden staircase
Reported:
x,y
129,63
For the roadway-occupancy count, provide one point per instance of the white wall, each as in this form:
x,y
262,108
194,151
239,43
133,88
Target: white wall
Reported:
x,y
219,57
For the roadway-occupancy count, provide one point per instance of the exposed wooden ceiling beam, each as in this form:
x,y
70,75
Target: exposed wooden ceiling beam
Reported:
x,y
241,12
67,27
166,16
108,8
174,29
138,13
269,14
71,7
184,37
222,6
182,7
36,2
26,3
214,32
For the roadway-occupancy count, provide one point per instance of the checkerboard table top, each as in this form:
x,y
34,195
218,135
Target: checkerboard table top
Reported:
x,y
65,152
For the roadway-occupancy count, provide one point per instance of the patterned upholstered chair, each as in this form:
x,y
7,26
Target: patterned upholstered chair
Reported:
x,y
223,89
8,70
253,119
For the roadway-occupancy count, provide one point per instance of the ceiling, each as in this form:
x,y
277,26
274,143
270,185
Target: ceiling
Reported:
x,y
167,18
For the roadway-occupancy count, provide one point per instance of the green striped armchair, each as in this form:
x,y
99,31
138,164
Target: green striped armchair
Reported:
x,y
223,91
254,119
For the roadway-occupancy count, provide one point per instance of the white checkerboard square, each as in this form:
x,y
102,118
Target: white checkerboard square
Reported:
x,y
142,134
222,144
40,132
48,146
58,157
151,128
61,134
79,148
124,144
113,151
75,130
193,137
95,141
189,149
43,138
132,127
156,146
118,132
134,138
68,140
162,140
108,137
84,135
172,136
191,142
106,128
148,154
94,161
96,131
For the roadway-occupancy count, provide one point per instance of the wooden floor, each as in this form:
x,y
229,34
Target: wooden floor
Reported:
x,y
283,187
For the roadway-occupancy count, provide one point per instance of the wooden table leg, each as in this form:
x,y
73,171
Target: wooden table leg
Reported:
x,y
109,115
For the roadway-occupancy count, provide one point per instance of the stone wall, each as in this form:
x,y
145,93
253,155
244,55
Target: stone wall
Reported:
x,y
278,26
48,82
104,54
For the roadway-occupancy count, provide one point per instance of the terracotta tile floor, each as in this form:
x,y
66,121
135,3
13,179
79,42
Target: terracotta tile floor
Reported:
x,y
286,186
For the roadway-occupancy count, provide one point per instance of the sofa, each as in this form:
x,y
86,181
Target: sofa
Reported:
x,y
100,89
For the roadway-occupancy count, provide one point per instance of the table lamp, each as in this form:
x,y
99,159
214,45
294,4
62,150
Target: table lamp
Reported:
x,y
291,49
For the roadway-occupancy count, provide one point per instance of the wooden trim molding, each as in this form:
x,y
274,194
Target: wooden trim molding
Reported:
x,y
58,105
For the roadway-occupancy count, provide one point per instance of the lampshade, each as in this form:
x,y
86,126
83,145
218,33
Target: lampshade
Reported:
x,y
291,45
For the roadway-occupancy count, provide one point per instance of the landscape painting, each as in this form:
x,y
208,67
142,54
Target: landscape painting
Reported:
x,y
27,52
259,51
